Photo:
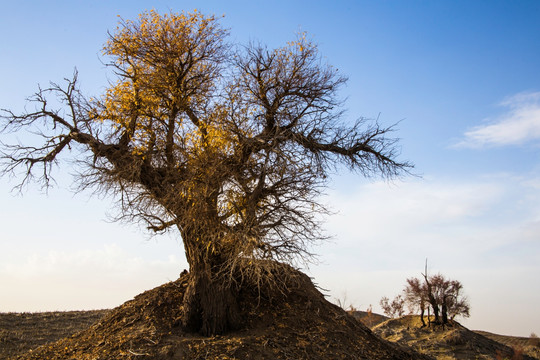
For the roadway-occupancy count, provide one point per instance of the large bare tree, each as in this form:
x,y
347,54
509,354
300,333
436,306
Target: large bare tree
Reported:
x,y
230,146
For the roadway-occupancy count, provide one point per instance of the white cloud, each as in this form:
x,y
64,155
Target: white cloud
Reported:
x,y
519,125
435,218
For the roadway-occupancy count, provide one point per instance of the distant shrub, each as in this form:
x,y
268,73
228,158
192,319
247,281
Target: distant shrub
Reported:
x,y
534,340
393,309
444,296
345,304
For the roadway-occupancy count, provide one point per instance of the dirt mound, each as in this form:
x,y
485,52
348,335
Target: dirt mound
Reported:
x,y
298,325
451,342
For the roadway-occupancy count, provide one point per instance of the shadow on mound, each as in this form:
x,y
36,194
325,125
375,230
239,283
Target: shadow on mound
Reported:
x,y
297,324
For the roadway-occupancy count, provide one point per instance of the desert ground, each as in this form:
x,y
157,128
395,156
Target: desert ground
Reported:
x,y
301,325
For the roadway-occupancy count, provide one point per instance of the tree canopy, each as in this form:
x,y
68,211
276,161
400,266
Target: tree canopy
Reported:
x,y
444,296
229,145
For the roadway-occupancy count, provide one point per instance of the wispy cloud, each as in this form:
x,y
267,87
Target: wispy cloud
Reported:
x,y
462,220
520,124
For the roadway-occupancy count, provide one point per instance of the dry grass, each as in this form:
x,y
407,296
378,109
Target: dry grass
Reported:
x,y
20,332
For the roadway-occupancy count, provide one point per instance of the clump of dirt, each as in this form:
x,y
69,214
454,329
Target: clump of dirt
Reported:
x,y
299,324
451,342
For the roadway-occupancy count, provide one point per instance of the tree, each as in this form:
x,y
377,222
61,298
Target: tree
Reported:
x,y
416,297
449,296
444,296
230,146
393,309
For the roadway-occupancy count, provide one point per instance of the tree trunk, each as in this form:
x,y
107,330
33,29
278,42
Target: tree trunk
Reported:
x,y
432,300
422,306
435,308
210,304
444,311
209,307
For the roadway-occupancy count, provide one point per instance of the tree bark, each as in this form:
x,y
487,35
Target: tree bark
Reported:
x,y
444,311
431,298
435,308
422,306
210,305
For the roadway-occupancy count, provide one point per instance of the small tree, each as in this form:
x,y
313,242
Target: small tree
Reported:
x,y
393,309
229,146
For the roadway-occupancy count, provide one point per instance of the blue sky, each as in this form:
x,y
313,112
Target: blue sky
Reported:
x,y
462,78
